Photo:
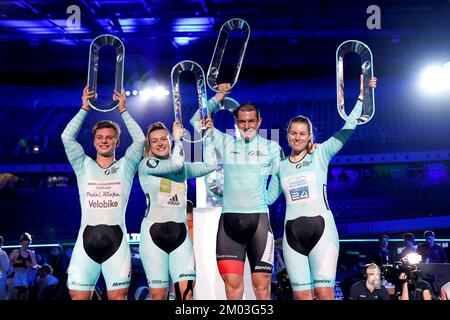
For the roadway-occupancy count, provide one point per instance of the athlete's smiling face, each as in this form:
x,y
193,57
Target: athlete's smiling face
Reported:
x,y
159,143
298,136
248,124
106,141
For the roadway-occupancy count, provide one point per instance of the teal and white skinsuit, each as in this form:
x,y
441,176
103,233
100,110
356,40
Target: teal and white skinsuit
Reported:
x,y
166,247
102,244
310,240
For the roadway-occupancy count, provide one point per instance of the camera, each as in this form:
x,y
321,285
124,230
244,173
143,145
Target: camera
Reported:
x,y
407,265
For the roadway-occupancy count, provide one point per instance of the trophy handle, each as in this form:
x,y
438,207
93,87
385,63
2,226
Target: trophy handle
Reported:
x,y
189,66
360,48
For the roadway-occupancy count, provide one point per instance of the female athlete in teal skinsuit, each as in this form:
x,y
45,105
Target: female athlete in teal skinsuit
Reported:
x,y
166,247
310,240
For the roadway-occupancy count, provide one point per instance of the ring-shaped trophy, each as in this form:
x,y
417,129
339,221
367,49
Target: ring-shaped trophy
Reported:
x,y
94,56
360,48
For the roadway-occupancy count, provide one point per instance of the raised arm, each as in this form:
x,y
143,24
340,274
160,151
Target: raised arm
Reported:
x,y
195,170
212,106
331,147
134,152
74,150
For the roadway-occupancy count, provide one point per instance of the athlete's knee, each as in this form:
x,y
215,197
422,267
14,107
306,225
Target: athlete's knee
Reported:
x,y
324,293
233,281
260,279
80,295
234,286
158,294
120,294
262,292
261,286
303,295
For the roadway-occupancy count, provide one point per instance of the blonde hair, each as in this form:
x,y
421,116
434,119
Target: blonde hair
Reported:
x,y
153,127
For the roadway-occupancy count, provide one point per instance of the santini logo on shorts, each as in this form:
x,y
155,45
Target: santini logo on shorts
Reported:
x,y
263,268
158,281
322,281
184,275
82,284
116,284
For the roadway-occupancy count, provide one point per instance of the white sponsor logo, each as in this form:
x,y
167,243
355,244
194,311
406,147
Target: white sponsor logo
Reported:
x,y
103,194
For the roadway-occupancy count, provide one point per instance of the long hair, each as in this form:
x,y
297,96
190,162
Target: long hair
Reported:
x,y
153,127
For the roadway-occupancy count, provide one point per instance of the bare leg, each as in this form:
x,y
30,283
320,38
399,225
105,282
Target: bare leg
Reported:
x,y
261,285
234,286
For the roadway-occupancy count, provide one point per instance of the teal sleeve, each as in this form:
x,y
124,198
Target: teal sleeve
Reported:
x,y
134,152
274,190
161,167
212,105
74,150
219,139
195,170
329,148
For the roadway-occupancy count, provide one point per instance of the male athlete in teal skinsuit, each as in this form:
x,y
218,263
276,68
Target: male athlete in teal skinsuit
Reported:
x,y
104,186
244,226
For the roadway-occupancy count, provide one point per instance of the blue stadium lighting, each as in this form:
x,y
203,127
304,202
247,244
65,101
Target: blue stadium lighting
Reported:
x,y
63,24
156,93
193,24
182,41
127,93
25,24
138,21
106,24
436,79
31,26
66,42
132,24
160,92
147,93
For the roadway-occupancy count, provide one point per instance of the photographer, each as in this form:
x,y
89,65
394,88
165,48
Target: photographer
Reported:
x,y
382,254
430,251
413,287
370,288
409,246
